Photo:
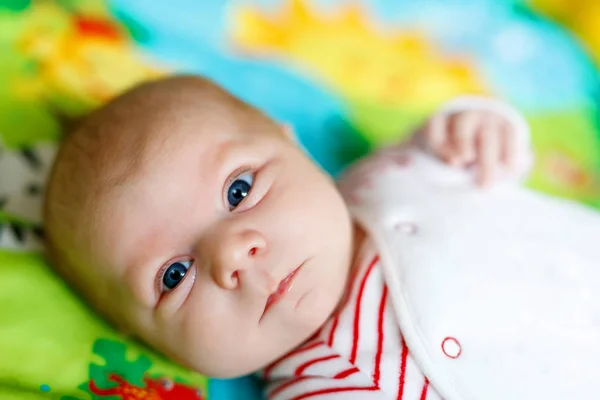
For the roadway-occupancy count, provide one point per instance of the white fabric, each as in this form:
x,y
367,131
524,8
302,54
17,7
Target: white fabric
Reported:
x,y
509,276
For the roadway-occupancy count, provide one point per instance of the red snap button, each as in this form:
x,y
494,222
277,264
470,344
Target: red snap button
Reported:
x,y
451,347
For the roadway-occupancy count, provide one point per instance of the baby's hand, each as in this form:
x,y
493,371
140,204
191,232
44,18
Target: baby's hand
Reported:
x,y
482,138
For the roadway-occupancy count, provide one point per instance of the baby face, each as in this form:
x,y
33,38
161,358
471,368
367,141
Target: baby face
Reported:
x,y
225,250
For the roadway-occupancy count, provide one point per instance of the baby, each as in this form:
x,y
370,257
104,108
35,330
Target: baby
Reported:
x,y
192,220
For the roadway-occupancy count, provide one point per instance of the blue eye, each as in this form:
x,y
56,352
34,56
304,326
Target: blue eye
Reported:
x,y
175,274
239,189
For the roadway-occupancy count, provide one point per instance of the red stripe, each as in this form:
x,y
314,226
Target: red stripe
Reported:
x,y
377,372
333,328
357,310
424,392
402,370
269,369
335,390
285,385
346,373
314,361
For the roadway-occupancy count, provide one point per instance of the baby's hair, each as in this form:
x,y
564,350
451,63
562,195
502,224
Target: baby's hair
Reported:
x,y
106,150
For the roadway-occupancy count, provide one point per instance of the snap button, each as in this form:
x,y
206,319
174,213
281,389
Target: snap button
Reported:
x,y
451,347
407,228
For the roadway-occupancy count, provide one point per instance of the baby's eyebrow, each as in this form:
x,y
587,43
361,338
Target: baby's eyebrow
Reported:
x,y
219,160
223,152
139,278
222,148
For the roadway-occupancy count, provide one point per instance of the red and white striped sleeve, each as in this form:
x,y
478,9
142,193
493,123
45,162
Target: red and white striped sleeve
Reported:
x,y
358,354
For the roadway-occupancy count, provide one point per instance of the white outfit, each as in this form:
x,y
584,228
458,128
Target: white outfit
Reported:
x,y
494,291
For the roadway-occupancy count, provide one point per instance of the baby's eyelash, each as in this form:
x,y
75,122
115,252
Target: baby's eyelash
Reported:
x,y
237,175
232,178
158,280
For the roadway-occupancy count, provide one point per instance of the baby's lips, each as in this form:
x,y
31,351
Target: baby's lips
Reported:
x,y
284,286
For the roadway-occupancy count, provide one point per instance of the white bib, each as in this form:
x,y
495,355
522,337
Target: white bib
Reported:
x,y
497,291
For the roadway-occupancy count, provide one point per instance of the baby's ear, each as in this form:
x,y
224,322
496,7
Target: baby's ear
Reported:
x,y
289,133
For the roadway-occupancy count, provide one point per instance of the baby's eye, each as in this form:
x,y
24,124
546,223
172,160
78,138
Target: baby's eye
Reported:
x,y
239,189
174,274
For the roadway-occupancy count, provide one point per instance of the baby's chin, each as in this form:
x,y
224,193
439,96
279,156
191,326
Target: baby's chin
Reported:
x,y
235,367
245,359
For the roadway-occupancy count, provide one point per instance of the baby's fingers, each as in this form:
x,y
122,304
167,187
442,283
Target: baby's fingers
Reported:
x,y
489,149
463,135
436,134
510,146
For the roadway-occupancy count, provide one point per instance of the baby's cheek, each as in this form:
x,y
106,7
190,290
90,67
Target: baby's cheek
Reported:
x,y
207,339
316,308
324,289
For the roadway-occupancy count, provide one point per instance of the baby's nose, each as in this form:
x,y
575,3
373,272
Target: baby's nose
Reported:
x,y
235,254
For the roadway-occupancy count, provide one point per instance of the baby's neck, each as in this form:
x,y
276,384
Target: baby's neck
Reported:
x,y
358,238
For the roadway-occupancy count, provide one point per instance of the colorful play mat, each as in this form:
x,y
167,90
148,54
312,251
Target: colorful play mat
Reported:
x,y
348,75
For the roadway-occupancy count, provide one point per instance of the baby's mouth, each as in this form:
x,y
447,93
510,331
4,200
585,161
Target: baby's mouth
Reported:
x,y
284,286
